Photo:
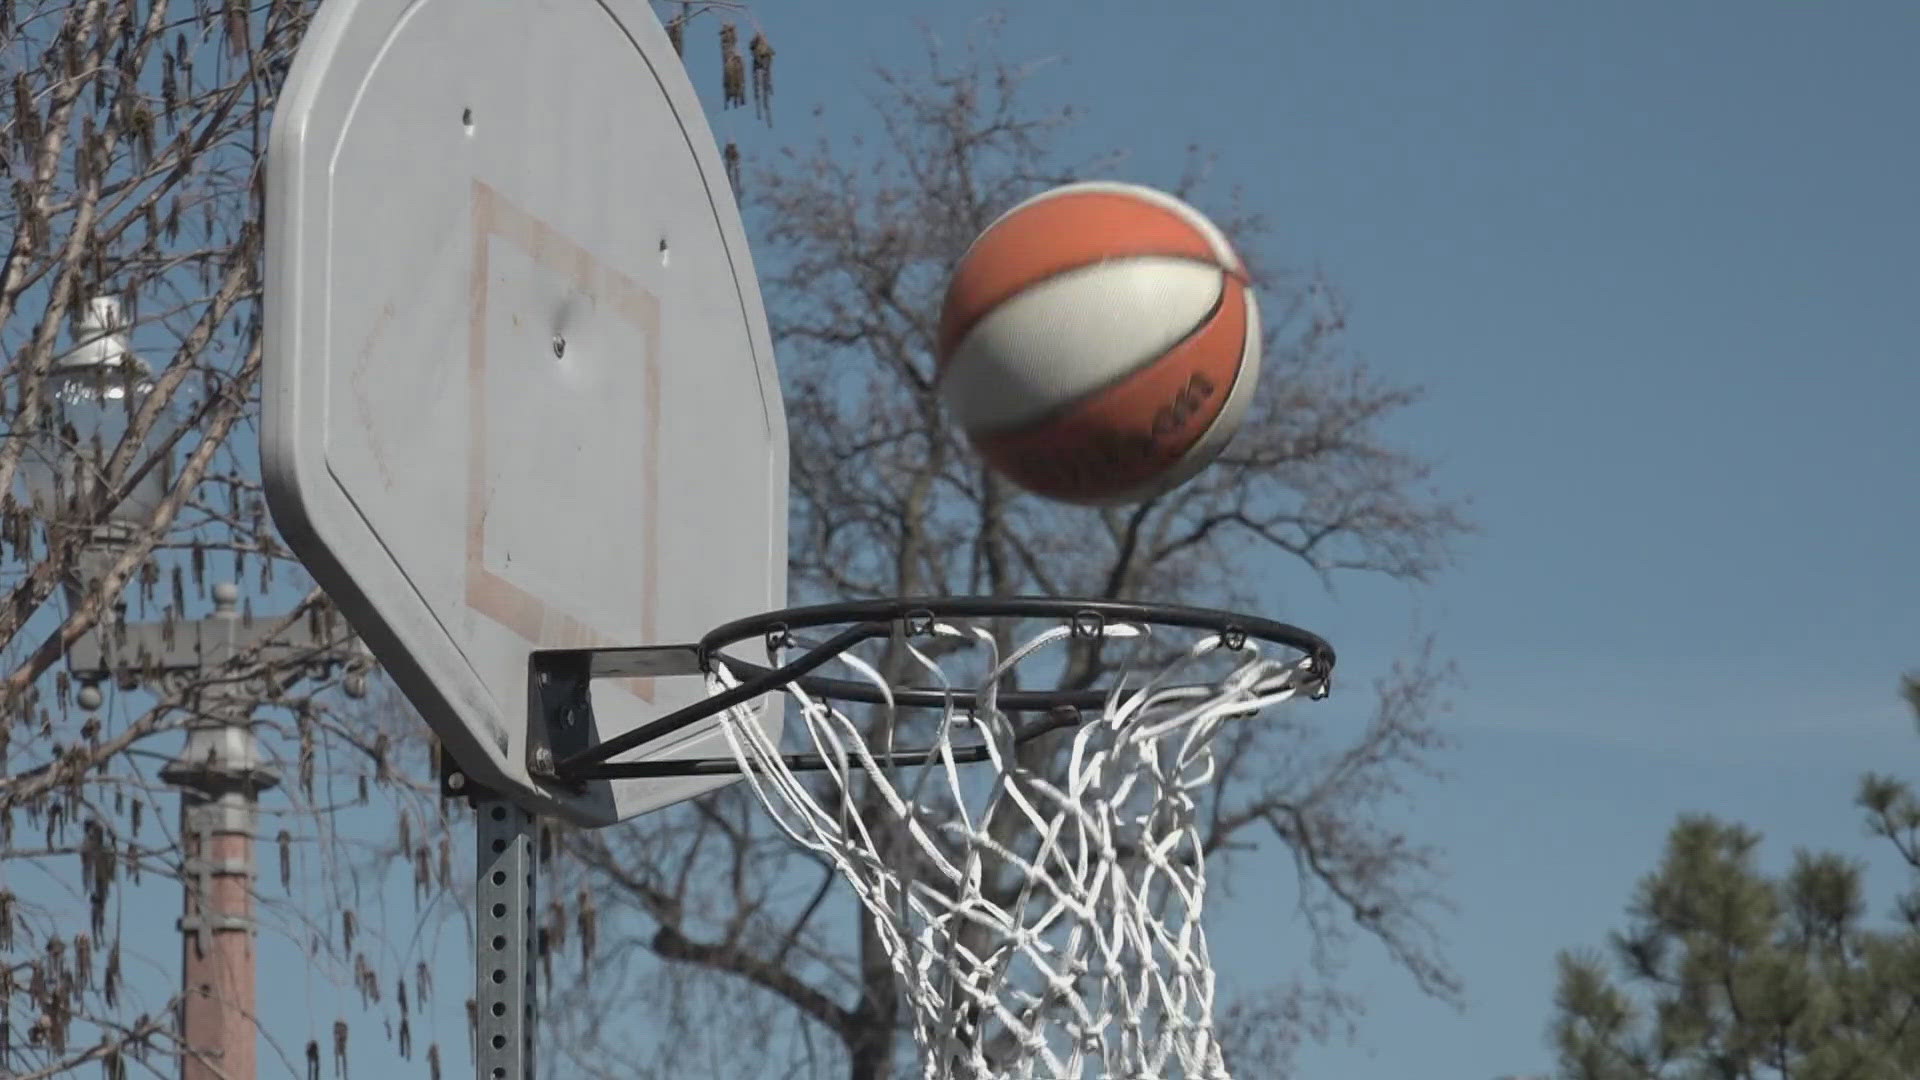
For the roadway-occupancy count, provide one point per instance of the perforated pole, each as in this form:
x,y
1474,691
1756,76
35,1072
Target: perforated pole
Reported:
x,y
507,860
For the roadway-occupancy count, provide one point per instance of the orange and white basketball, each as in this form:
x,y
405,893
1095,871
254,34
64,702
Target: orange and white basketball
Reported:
x,y
1099,343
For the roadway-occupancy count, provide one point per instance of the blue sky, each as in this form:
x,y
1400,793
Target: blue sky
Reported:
x,y
1655,266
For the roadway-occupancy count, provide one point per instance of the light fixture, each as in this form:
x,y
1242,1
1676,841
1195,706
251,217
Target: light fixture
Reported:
x,y
89,400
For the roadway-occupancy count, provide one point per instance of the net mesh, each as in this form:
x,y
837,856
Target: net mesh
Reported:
x,y
1041,910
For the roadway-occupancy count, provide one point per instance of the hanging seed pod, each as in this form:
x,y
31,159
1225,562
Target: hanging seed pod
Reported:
x,y
589,925
91,843
110,978
142,124
6,923
340,1048
733,70
361,974
422,873
169,94
313,1059
97,911
83,960
433,1061
32,226
57,971
543,944
556,928
57,1019
149,577
730,159
422,982
762,52
306,753
16,524
346,931
25,113
677,29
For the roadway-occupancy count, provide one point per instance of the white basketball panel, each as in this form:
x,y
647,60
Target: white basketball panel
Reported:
x,y
1063,338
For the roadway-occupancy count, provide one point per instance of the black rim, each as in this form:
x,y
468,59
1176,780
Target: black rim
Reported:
x,y
914,617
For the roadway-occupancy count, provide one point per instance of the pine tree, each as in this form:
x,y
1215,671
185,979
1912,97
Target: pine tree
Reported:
x,y
1743,976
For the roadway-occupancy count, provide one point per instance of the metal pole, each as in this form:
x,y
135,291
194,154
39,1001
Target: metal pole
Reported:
x,y
507,861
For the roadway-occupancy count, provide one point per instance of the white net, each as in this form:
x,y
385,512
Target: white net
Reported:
x,y
1041,909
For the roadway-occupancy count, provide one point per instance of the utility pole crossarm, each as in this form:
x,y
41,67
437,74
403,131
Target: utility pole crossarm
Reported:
x,y
201,645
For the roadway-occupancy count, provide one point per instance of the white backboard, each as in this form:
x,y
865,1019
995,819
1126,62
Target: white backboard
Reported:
x,y
519,391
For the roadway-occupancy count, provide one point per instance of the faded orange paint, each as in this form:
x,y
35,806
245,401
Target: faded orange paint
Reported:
x,y
498,599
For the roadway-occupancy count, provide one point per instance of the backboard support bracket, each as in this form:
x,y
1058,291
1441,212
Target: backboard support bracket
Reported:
x,y
560,719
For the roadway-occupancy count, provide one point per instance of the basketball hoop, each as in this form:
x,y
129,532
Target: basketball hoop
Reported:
x,y
1042,914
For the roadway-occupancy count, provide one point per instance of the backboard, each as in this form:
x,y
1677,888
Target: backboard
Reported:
x,y
519,391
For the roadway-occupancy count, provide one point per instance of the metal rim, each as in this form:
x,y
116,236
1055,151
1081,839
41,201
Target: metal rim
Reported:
x,y
914,616
865,620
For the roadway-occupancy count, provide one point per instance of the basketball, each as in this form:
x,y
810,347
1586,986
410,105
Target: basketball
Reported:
x,y
1098,343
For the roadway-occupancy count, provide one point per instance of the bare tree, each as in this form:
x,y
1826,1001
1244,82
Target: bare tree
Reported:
x,y
704,918
130,134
